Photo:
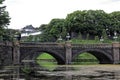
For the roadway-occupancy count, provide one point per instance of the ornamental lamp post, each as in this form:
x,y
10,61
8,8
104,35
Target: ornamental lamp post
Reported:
x,y
68,36
101,39
17,36
115,36
60,38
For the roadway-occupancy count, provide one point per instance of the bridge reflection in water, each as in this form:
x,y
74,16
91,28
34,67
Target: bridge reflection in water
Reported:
x,y
65,72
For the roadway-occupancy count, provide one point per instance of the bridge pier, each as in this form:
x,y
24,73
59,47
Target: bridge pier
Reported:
x,y
16,53
68,53
16,60
116,52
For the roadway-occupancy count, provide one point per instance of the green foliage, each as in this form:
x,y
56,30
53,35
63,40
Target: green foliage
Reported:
x,y
4,19
77,41
43,27
30,38
79,36
86,21
105,37
26,70
44,56
87,38
97,38
51,65
43,61
53,30
92,22
86,56
115,22
1,1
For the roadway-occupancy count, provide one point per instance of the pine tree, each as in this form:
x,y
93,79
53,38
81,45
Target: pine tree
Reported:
x,y
4,18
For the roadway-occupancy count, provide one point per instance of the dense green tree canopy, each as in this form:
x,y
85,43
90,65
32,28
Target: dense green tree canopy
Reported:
x,y
85,21
91,22
4,19
53,30
115,22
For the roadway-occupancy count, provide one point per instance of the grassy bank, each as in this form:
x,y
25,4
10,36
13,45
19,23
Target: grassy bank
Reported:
x,y
45,60
78,41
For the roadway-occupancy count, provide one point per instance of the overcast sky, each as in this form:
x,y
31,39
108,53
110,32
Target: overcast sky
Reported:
x,y
37,12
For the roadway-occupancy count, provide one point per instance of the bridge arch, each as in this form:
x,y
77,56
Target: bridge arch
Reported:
x,y
33,54
101,55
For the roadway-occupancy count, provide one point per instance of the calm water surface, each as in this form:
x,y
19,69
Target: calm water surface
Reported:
x,y
83,72
72,72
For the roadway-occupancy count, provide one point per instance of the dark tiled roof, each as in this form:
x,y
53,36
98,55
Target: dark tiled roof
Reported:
x,y
29,27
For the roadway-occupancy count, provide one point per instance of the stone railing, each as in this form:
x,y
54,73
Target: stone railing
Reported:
x,y
37,44
57,45
6,43
91,45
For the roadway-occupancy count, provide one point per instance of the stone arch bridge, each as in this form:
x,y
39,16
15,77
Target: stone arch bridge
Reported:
x,y
14,52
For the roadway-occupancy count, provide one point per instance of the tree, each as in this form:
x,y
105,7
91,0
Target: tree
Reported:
x,y
95,21
115,22
87,22
42,27
79,36
96,38
74,22
92,22
53,30
56,27
4,19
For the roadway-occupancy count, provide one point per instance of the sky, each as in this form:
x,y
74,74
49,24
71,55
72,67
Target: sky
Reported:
x,y
37,12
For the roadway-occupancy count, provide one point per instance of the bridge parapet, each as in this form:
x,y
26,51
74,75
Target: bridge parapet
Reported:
x,y
6,44
91,45
47,45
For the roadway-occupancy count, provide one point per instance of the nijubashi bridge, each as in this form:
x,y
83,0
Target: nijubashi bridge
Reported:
x,y
65,53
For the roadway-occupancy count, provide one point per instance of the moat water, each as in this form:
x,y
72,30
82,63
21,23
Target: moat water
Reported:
x,y
69,72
